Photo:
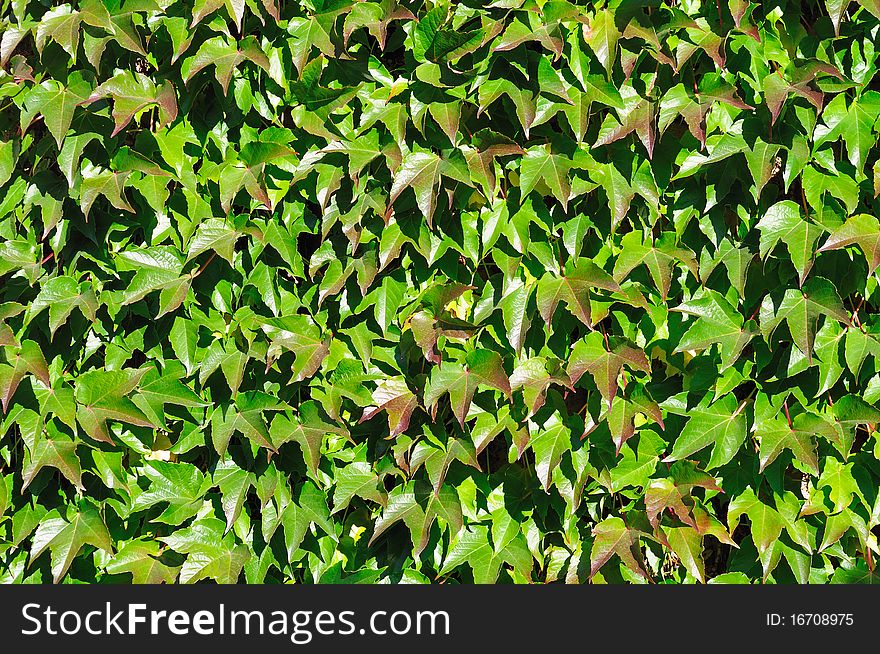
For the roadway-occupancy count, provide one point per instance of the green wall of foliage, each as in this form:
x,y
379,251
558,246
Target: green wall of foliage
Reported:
x,y
515,291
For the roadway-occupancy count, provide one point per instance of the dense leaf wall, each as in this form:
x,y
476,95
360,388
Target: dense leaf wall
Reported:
x,y
523,290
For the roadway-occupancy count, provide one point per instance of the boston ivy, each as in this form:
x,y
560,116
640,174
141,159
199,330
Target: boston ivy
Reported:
x,y
429,291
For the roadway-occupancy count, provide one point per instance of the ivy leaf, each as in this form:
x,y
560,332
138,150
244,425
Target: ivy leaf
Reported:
x,y
783,222
687,544
24,359
841,484
604,361
142,559
474,547
311,32
155,390
433,43
56,451
776,435
855,124
674,493
180,485
308,509
487,146
419,507
394,397
302,337
421,171
64,538
481,367
622,411
573,288
858,345
375,16
612,536
308,429
56,103
97,181
357,479
550,443
101,396
534,376
62,295
226,56
762,162
862,230
766,523
717,322
602,35
209,554
62,25
800,309
540,164
659,258
245,416
636,116
722,424
133,93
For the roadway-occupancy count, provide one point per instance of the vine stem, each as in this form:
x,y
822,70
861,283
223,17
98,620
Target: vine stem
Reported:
x,y
204,265
742,405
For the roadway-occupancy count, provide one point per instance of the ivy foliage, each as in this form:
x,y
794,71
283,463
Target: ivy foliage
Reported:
x,y
513,291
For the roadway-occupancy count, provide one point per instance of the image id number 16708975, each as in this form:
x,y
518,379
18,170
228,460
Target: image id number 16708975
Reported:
x,y
810,620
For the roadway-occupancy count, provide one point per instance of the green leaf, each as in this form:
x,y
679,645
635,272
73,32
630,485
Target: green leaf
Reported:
x,y
776,434
660,259
862,230
420,171
433,43
302,337
842,486
419,507
481,368
142,559
602,36
801,309
783,222
766,523
62,25
209,554
62,295
101,396
540,164
573,288
65,538
56,103
534,376
180,485
57,452
717,322
357,479
612,536
22,360
475,548
245,416
604,361
722,424
310,508
550,443
133,93
308,429
763,164
226,56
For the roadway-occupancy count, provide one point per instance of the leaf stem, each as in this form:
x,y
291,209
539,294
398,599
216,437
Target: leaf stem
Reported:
x,y
204,265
